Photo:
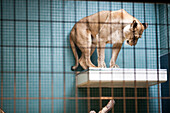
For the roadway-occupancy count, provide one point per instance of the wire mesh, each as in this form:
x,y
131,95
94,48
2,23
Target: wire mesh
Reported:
x,y
36,58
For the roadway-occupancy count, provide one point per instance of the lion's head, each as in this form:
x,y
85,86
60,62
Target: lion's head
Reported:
x,y
133,32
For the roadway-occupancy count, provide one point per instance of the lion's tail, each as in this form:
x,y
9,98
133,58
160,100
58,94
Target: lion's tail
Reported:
x,y
75,54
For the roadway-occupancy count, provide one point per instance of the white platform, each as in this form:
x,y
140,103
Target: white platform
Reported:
x,y
115,77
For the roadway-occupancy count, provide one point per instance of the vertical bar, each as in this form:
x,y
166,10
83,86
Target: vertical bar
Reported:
x,y
112,89
76,89
168,40
134,57
27,56
100,92
39,55
147,86
63,17
123,54
88,88
14,59
1,55
157,58
51,50
100,89
88,96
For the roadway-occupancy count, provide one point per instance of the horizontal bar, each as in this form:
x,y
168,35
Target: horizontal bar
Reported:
x,y
81,98
135,1
58,21
25,46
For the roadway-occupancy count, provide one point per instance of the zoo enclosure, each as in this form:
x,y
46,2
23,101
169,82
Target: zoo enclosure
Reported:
x,y
36,58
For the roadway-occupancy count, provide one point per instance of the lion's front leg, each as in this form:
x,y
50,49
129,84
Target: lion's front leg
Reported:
x,y
101,55
115,51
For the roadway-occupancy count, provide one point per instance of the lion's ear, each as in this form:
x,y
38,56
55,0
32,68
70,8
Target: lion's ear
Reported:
x,y
133,25
145,25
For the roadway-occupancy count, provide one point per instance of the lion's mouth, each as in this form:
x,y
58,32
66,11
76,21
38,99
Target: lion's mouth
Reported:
x,y
131,43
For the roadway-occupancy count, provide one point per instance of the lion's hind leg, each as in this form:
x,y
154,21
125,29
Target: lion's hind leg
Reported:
x,y
88,52
82,60
85,46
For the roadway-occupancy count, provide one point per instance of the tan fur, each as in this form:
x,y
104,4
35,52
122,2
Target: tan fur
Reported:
x,y
1,111
100,28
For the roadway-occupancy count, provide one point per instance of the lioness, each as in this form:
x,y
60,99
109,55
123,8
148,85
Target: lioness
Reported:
x,y
104,27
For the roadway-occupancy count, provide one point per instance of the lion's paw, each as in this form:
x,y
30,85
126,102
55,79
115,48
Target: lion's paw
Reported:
x,y
102,65
114,66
